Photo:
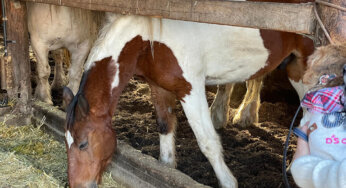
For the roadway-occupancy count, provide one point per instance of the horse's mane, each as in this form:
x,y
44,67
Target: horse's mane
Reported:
x,y
70,112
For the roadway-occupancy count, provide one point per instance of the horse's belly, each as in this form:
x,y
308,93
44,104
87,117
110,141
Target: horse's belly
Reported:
x,y
231,72
234,67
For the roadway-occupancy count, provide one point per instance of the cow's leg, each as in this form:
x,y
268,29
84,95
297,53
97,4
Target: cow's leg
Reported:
x,y
164,103
60,56
78,55
220,107
196,109
247,113
42,91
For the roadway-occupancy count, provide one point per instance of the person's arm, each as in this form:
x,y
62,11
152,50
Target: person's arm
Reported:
x,y
302,145
311,171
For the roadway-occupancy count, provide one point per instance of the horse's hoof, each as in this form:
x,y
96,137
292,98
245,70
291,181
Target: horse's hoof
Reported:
x,y
219,119
219,124
45,100
243,121
169,164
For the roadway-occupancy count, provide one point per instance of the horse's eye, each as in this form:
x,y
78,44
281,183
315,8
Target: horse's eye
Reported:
x,y
83,145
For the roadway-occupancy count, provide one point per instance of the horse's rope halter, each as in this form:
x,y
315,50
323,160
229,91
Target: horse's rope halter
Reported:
x,y
319,83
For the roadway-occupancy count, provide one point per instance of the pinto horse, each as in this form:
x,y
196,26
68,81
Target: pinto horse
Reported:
x,y
292,48
177,59
282,45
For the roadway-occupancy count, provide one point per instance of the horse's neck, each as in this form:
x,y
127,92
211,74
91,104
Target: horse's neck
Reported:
x,y
115,35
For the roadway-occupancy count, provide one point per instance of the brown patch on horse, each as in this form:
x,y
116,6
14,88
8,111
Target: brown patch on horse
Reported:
x,y
280,45
127,60
164,103
161,67
161,70
304,47
97,89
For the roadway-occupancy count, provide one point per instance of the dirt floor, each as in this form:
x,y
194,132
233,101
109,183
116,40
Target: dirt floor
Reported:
x,y
253,154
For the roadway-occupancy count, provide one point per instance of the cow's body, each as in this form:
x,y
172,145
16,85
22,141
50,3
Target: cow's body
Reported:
x,y
52,27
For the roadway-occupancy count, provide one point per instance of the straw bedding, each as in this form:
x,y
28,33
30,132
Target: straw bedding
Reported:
x,y
31,158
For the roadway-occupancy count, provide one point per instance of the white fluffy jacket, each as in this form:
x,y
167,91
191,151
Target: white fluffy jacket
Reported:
x,y
325,167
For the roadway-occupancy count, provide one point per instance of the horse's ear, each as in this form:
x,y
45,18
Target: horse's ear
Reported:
x,y
67,96
83,107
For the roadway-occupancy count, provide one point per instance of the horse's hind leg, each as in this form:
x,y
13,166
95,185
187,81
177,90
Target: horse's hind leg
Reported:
x,y
60,56
220,108
164,102
247,113
196,109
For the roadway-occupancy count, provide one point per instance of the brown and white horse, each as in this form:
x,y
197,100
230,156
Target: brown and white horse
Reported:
x,y
177,59
280,46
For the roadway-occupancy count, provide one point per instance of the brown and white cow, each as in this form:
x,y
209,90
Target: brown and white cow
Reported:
x,y
53,27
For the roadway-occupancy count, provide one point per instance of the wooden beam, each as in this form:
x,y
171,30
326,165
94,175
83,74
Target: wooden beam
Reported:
x,y
298,18
334,21
17,31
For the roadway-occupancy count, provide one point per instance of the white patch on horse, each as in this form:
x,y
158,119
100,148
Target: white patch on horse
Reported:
x,y
299,87
119,30
116,79
69,139
167,149
197,112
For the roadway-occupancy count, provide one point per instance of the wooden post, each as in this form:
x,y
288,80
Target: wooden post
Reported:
x,y
335,22
17,31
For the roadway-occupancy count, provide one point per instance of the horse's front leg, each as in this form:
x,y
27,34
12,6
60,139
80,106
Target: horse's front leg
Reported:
x,y
196,109
42,91
78,55
247,113
220,108
164,103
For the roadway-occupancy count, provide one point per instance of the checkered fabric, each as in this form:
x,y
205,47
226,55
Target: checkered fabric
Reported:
x,y
325,100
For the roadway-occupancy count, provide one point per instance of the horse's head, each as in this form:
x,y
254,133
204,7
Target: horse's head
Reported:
x,y
90,141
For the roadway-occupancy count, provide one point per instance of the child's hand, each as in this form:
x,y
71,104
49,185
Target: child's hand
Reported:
x,y
302,145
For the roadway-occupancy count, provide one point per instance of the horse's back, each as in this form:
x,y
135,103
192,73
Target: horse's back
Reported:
x,y
219,53
60,26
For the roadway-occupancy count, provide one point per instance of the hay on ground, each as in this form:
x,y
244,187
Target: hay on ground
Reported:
x,y
31,158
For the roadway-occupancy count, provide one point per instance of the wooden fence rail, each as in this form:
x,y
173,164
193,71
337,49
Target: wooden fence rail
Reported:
x,y
298,18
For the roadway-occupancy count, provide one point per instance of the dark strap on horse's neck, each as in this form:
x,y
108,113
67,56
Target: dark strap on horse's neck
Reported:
x,y
71,108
